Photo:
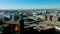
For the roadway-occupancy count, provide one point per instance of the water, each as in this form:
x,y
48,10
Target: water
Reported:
x,y
50,31
34,31
57,31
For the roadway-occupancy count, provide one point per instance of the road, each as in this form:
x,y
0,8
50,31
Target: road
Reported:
x,y
11,22
45,25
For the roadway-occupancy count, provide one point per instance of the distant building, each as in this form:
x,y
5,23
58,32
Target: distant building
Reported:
x,y
34,14
16,17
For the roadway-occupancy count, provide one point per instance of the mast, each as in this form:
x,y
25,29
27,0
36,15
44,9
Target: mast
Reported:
x,y
21,24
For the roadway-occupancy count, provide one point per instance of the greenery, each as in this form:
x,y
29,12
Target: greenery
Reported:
x,y
6,24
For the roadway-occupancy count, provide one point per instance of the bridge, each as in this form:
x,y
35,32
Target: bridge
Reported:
x,y
8,16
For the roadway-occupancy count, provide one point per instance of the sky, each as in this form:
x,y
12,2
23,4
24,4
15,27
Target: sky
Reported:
x,y
29,4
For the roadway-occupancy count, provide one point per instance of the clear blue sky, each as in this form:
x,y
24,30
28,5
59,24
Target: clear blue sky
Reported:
x,y
29,4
